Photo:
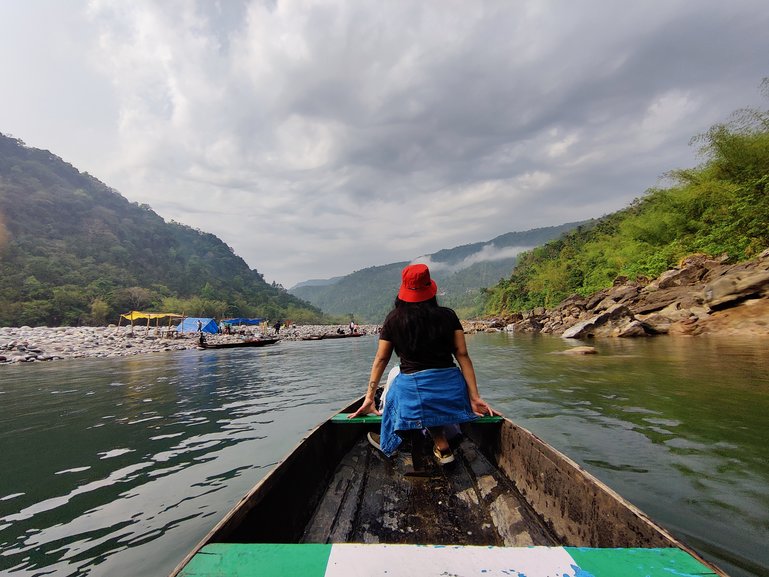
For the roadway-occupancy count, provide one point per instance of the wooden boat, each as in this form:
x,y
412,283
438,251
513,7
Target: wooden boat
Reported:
x,y
510,504
243,343
332,336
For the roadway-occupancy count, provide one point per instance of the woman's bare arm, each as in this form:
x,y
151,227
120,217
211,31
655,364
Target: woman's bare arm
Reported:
x,y
479,406
383,353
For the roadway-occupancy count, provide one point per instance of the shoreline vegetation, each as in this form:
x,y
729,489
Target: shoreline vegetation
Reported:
x,y
702,296
36,344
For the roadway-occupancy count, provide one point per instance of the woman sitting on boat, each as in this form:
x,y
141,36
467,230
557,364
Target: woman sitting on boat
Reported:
x,y
430,391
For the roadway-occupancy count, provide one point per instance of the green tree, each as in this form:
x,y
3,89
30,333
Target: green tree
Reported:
x,y
100,311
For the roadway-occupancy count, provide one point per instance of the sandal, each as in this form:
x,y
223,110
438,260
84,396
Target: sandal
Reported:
x,y
444,457
374,440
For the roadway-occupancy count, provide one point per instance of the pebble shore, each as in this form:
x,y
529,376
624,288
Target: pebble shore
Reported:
x,y
36,344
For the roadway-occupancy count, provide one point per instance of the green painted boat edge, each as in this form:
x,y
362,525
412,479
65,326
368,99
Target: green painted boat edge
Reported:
x,y
262,559
311,560
638,562
365,419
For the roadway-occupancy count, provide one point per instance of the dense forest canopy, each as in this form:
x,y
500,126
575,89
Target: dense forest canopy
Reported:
x,y
718,208
74,251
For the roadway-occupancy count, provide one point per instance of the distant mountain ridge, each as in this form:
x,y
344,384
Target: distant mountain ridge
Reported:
x,y
318,282
460,272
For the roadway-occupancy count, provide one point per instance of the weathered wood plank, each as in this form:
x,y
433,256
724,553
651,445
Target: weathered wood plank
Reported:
x,y
334,516
515,523
373,499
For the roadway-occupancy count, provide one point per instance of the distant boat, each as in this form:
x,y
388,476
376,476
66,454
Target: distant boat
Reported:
x,y
332,336
243,343
510,504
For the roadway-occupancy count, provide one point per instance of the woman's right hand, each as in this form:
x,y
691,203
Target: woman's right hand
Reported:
x,y
482,408
368,407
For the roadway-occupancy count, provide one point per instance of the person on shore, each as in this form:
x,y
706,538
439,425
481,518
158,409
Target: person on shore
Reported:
x,y
430,391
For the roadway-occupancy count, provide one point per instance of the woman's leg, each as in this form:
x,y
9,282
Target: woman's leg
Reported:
x,y
439,438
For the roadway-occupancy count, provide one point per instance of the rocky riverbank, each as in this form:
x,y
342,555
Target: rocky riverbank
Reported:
x,y
34,344
702,296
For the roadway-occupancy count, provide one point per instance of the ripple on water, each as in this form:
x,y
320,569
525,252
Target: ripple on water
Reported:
x,y
12,496
616,466
114,453
73,470
169,436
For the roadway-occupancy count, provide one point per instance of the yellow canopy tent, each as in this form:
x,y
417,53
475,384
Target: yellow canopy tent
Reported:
x,y
136,315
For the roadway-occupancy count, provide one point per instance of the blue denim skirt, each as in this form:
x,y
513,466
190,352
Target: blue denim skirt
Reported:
x,y
424,399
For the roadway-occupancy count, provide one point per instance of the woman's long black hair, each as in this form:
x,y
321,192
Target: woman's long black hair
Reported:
x,y
416,325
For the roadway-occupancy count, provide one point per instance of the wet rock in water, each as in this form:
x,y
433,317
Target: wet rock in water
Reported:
x,y
583,350
606,323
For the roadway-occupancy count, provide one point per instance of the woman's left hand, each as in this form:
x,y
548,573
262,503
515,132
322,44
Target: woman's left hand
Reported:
x,y
482,408
368,407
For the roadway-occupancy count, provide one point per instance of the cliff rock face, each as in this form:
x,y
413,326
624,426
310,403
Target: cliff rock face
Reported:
x,y
702,296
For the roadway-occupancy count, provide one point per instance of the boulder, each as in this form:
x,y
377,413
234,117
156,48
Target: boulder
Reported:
x,y
529,325
583,350
602,324
634,328
624,293
652,299
735,286
681,277
657,323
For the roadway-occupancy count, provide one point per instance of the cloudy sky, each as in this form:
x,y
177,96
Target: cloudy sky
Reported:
x,y
320,137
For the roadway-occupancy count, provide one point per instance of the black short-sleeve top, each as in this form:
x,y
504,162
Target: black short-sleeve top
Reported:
x,y
431,349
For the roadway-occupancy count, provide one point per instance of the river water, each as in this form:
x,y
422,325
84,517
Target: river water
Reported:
x,y
119,466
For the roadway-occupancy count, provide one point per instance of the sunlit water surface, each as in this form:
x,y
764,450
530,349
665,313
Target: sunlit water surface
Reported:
x,y
118,467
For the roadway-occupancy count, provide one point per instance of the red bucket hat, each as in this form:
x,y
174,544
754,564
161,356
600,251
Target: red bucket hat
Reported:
x,y
416,285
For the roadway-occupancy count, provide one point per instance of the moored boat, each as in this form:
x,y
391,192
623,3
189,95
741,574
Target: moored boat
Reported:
x,y
242,343
510,504
332,336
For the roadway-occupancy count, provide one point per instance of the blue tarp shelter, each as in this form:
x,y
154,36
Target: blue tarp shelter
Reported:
x,y
190,325
242,321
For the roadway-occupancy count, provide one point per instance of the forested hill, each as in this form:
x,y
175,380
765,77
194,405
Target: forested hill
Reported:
x,y
718,208
461,273
74,251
